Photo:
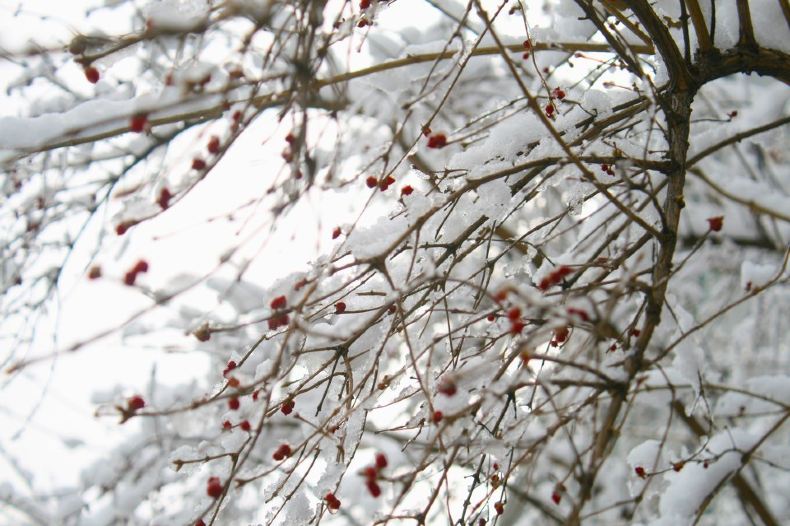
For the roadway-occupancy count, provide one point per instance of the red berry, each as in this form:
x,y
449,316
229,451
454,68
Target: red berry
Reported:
x,y
164,198
340,307
550,109
558,93
213,145
290,138
516,326
437,417
287,407
370,473
332,502
233,382
381,461
255,394
371,182
447,387
278,303
336,232
138,122
386,182
364,4
229,367
140,266
245,425
92,74
715,223
203,333
514,314
635,332
406,190
527,44
198,164
129,278
581,313
437,140
640,472
277,321
491,317
226,425
499,508
373,488
677,466
561,334
121,228
135,402
284,451
200,522
556,497
233,403
214,487
363,22
94,272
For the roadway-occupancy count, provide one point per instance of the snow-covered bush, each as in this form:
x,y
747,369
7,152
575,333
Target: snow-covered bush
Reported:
x,y
432,262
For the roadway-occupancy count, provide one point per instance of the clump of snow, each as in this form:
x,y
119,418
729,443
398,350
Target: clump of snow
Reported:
x,y
597,102
177,16
373,241
756,274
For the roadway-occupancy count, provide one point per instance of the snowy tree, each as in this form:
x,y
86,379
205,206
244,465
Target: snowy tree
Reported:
x,y
547,268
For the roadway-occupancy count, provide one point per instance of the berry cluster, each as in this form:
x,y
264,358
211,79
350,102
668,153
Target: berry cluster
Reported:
x,y
554,277
279,318
332,502
607,169
371,474
516,323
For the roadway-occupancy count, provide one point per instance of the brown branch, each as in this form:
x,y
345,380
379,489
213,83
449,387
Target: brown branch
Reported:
x,y
700,27
745,28
658,31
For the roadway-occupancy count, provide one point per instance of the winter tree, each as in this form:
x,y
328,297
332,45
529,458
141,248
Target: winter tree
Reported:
x,y
418,262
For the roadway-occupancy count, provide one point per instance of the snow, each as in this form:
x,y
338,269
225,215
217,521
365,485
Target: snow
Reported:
x,y
177,16
756,274
689,487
